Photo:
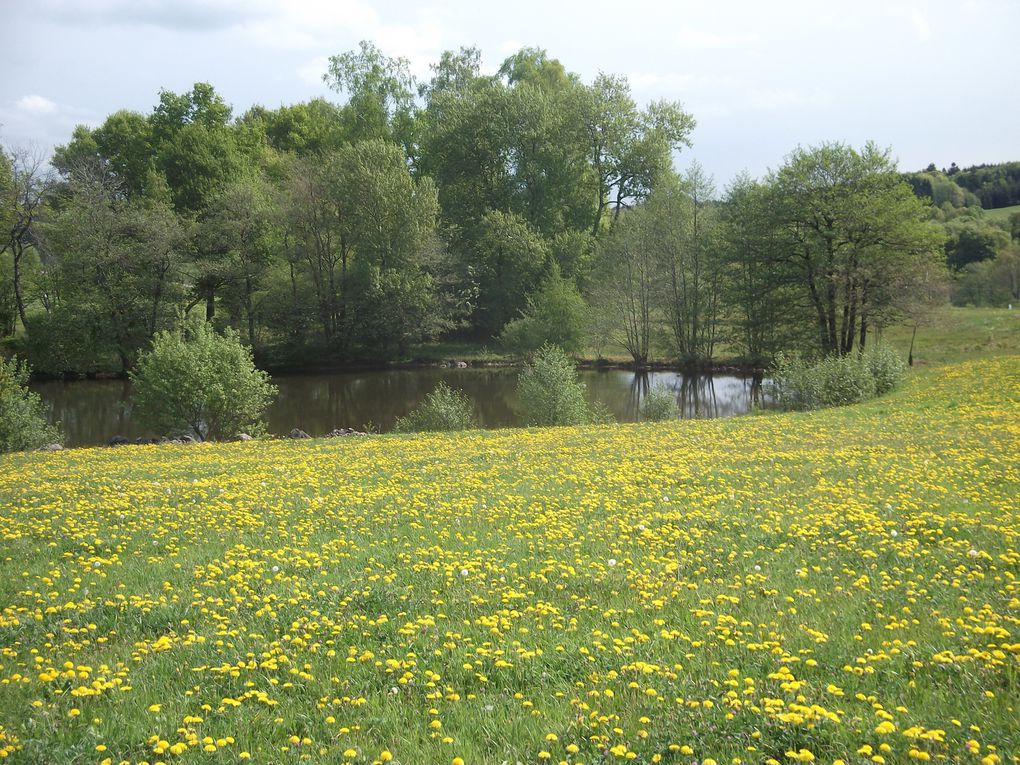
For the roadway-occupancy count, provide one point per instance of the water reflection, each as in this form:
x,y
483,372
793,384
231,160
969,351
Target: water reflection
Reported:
x,y
92,411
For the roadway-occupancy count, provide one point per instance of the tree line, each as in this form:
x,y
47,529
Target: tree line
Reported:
x,y
521,207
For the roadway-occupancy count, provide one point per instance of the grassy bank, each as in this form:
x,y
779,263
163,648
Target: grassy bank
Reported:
x,y
949,336
840,585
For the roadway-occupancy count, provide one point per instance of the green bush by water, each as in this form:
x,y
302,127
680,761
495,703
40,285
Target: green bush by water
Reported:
x,y
442,409
22,421
835,380
660,404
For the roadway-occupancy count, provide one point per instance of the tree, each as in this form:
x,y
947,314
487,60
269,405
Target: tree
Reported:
x,y
859,239
764,308
194,146
365,230
203,384
380,94
25,184
972,240
684,238
626,285
119,264
22,418
511,259
627,150
236,238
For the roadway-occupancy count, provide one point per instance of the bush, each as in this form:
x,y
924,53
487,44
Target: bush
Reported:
x,y
887,368
549,392
205,385
660,404
836,380
22,418
442,409
555,314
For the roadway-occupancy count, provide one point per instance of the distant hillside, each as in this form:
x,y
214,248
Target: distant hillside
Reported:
x,y
992,186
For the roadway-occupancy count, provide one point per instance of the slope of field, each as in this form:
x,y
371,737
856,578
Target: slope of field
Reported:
x,y
1001,213
839,585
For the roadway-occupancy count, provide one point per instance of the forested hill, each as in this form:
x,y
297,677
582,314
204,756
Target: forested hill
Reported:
x,y
992,186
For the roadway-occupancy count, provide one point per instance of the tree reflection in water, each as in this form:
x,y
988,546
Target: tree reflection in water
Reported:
x,y
92,411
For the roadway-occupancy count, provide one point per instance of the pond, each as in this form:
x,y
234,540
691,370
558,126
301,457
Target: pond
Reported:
x,y
93,411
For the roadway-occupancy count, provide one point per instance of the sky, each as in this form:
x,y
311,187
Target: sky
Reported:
x,y
932,80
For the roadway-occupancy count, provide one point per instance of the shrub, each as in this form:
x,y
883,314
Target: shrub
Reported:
x,y
549,392
835,380
442,409
22,418
555,314
204,384
887,368
660,404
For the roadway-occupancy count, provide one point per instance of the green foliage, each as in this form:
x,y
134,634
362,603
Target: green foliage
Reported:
x,y
204,384
22,418
994,282
443,409
659,404
68,339
995,185
512,259
835,380
973,240
556,314
549,392
886,367
865,249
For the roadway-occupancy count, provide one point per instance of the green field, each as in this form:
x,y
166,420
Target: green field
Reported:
x,y
1002,213
953,335
832,586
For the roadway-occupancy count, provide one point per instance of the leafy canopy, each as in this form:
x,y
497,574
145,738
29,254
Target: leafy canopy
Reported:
x,y
205,385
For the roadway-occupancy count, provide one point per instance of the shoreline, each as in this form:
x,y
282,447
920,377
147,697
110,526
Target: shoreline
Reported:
x,y
729,367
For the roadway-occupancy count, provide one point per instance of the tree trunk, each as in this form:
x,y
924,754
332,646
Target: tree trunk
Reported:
x,y
250,311
18,251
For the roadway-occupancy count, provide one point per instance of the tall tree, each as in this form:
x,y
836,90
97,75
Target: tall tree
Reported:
x,y
25,180
626,290
119,264
627,149
237,238
856,229
380,95
685,239
765,309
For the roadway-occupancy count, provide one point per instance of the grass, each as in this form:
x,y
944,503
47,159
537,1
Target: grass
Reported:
x,y
954,335
836,585
1001,213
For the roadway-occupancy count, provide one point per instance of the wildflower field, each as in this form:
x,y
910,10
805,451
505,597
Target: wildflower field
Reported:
x,y
831,586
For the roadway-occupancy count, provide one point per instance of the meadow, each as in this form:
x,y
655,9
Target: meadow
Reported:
x,y
836,586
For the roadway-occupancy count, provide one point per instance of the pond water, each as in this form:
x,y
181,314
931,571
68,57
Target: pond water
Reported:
x,y
93,411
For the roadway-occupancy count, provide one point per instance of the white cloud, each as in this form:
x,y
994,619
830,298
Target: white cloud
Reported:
x,y
700,39
921,26
510,46
312,70
659,80
36,105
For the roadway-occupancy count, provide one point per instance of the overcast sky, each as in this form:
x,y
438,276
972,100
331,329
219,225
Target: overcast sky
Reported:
x,y
935,80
